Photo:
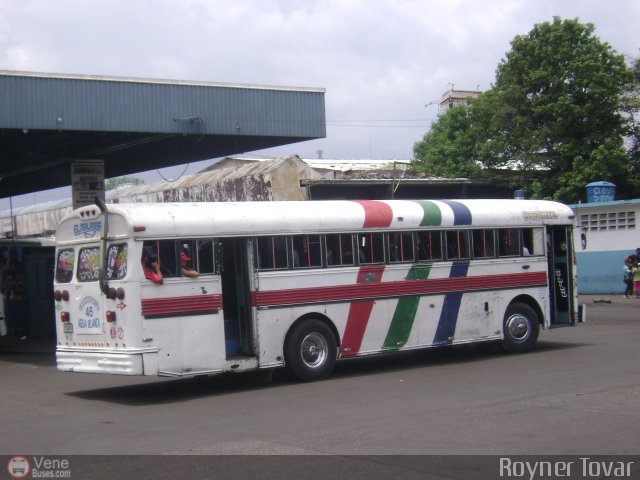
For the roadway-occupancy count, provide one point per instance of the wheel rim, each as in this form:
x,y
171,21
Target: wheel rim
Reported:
x,y
518,328
314,350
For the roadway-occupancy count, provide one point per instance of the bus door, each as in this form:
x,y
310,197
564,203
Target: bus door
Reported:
x,y
236,287
560,254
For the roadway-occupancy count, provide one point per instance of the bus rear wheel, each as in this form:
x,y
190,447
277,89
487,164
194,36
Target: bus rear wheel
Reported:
x,y
310,351
520,329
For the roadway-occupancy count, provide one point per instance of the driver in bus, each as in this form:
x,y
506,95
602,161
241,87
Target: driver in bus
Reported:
x,y
151,268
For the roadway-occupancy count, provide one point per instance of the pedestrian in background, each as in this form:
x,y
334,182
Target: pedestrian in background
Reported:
x,y
628,277
636,279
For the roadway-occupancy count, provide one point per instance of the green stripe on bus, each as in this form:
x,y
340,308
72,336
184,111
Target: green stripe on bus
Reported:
x,y
432,214
405,313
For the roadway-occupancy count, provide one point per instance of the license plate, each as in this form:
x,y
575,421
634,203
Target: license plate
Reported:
x,y
67,328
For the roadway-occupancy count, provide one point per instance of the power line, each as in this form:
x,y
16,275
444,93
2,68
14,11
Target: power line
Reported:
x,y
388,123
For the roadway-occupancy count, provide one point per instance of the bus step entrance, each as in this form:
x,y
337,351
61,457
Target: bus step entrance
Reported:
x,y
231,337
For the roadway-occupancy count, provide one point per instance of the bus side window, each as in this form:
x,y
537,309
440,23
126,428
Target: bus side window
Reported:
x,y
205,257
533,240
400,247
457,244
509,242
168,258
305,250
429,245
272,253
339,248
484,245
370,248
165,252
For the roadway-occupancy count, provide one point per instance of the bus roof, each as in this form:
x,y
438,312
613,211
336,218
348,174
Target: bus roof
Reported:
x,y
159,220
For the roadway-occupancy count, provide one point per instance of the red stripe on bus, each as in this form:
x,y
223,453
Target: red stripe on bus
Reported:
x,y
376,214
359,312
368,290
181,305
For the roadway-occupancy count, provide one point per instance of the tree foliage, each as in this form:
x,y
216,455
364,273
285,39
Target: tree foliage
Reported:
x,y
552,122
113,183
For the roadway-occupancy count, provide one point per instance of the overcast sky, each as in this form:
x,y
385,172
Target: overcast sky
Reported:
x,y
380,62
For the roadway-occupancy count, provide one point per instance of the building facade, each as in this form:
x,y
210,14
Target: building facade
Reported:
x,y
607,233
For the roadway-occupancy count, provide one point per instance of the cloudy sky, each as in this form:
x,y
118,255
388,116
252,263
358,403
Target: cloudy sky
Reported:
x,y
380,61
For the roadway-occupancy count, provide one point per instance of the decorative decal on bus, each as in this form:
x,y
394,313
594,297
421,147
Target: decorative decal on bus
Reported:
x,y
188,305
539,215
89,321
377,215
87,229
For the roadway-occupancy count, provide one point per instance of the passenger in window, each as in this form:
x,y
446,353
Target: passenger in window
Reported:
x,y
187,271
151,268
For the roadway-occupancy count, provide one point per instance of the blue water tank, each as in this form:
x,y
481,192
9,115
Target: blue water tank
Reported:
x,y
601,192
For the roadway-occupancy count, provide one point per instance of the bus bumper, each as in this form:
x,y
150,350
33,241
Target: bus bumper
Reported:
x,y
116,363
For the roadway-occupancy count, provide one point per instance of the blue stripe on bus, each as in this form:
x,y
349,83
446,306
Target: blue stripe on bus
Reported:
x,y
451,307
461,214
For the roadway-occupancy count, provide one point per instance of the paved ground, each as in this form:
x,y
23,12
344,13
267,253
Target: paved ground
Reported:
x,y
578,392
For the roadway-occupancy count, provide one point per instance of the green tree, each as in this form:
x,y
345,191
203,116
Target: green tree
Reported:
x,y
448,149
553,120
122,181
631,107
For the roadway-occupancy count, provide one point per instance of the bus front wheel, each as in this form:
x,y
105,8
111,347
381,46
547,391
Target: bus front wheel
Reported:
x,y
520,329
310,351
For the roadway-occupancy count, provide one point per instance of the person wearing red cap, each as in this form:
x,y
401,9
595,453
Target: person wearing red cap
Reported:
x,y
186,271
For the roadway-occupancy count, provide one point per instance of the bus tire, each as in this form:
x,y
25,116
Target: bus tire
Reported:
x,y
310,351
521,328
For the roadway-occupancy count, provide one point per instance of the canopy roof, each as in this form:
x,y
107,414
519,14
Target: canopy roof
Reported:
x,y
49,120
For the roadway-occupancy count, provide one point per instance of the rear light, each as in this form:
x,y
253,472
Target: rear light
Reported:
x,y
120,294
111,294
111,316
64,317
57,295
65,295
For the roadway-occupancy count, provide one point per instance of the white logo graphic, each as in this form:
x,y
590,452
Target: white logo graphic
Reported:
x,y
18,467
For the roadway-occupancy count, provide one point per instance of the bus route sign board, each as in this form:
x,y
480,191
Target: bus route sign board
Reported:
x,y
87,182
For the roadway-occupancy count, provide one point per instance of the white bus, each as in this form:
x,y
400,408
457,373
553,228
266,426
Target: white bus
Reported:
x,y
304,284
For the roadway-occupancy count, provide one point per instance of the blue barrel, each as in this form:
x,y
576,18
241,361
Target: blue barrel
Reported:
x,y
601,192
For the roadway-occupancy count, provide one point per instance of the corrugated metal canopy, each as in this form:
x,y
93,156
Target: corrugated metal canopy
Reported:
x,y
48,120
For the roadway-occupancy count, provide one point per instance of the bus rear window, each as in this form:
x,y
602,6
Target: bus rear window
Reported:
x,y
64,265
117,261
89,264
